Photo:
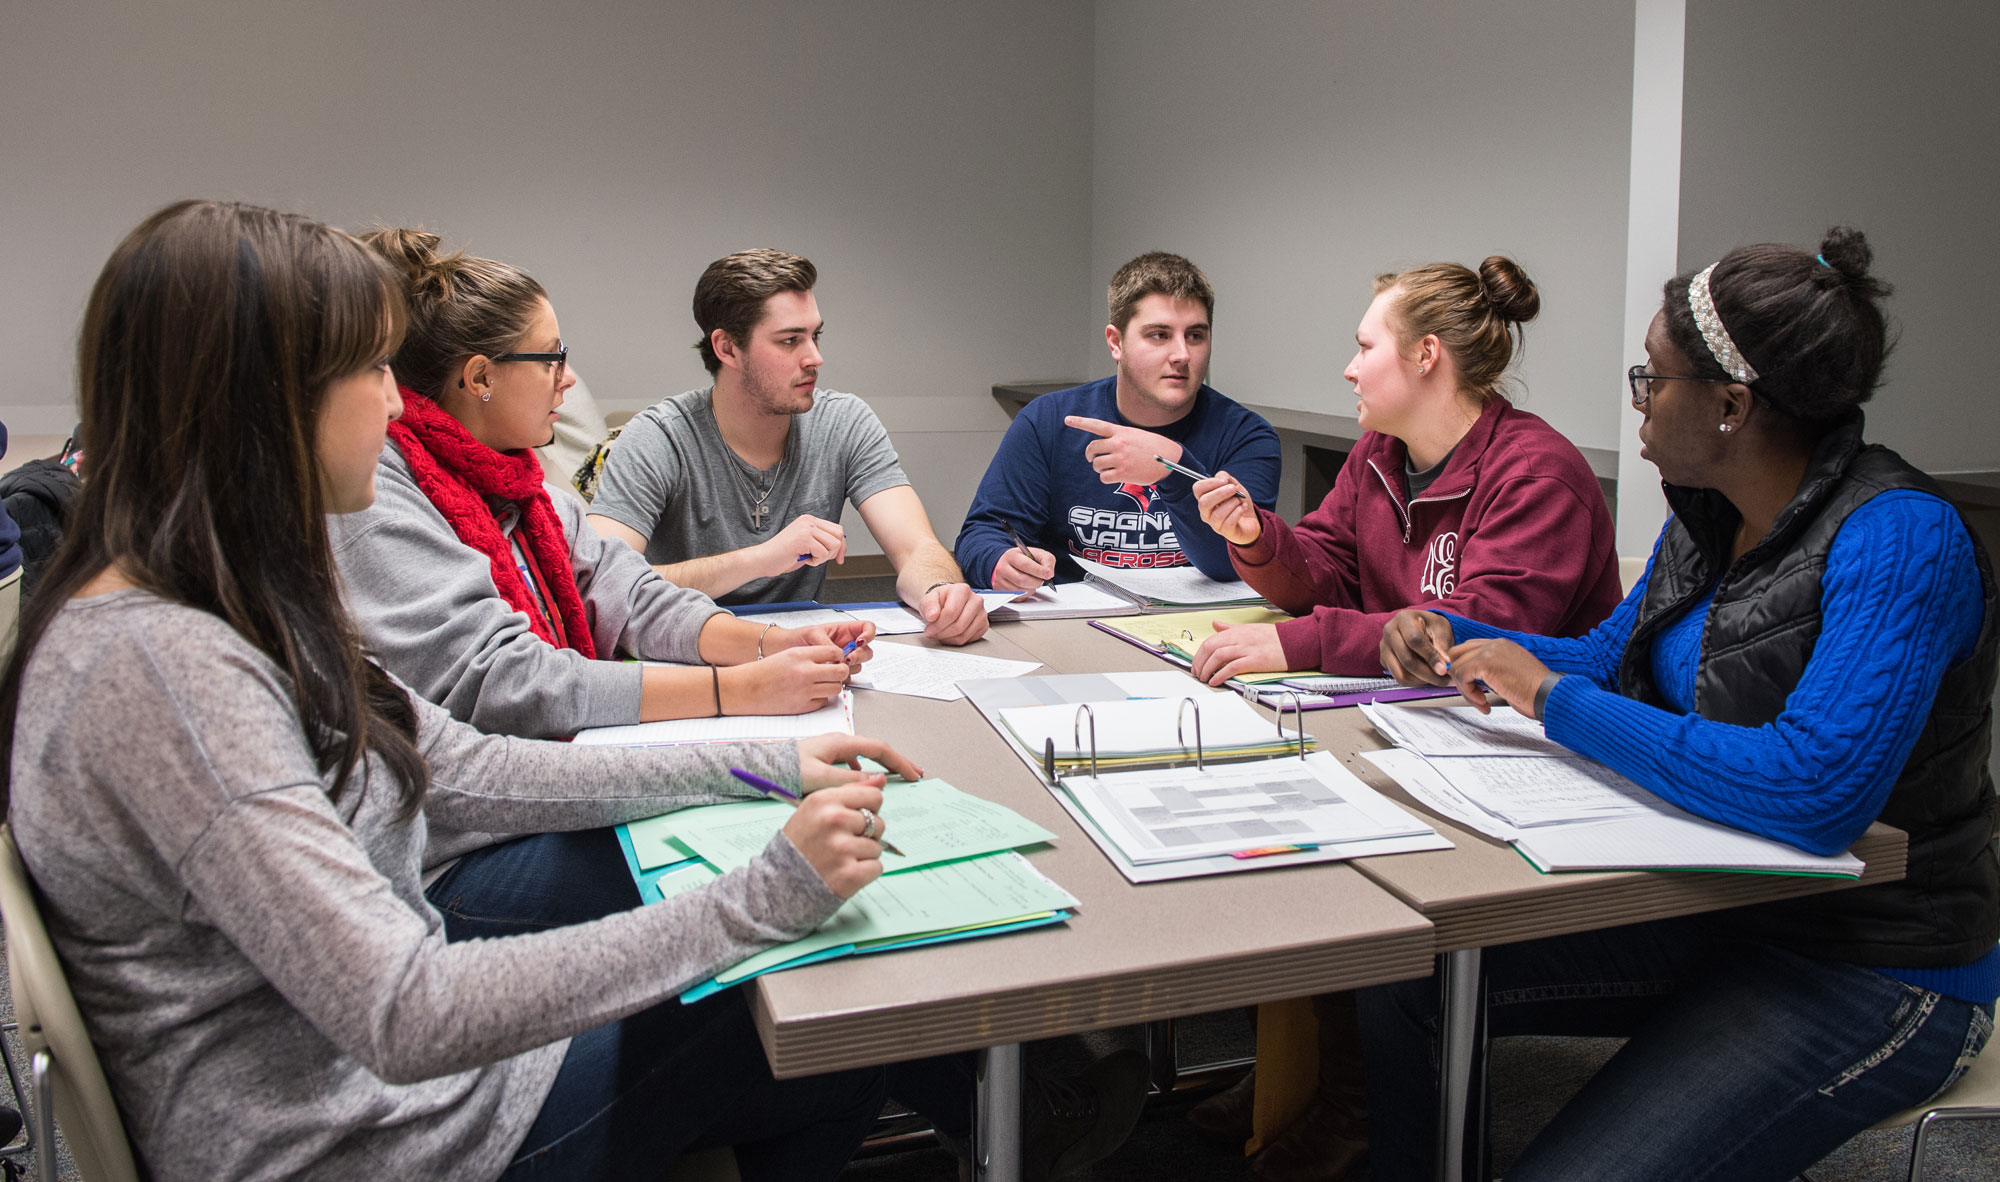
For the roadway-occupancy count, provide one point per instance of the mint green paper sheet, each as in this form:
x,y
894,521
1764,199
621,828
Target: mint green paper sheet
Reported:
x,y
934,898
929,820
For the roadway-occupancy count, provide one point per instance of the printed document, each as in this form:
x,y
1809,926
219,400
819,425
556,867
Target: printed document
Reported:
x,y
1165,816
1462,730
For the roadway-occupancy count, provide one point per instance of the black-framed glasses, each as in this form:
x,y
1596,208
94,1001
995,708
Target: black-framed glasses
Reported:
x,y
558,359
1642,383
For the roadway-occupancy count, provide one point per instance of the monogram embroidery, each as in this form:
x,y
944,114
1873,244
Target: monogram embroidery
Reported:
x,y
1441,566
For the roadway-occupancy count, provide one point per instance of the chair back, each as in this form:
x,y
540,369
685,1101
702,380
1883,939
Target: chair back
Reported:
x,y
49,1021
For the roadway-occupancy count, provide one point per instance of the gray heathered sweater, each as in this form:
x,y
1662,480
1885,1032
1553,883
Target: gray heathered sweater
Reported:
x,y
428,609
270,993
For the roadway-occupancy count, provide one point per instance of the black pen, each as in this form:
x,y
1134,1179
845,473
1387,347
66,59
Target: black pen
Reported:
x,y
1019,544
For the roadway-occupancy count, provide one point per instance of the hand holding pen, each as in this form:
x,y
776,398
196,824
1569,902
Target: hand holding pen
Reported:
x,y
1022,568
1226,507
860,800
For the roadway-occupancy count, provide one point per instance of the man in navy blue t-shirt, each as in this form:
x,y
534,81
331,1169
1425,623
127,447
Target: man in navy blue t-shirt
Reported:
x,y
1076,476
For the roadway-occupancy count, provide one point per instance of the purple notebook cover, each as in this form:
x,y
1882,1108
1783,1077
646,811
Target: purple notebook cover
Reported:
x,y
1333,702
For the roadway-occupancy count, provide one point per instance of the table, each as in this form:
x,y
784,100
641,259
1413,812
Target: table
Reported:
x,y
1481,893
1131,955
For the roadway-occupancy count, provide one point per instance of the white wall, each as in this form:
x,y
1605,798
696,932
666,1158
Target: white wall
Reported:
x,y
1804,113
932,159
1294,150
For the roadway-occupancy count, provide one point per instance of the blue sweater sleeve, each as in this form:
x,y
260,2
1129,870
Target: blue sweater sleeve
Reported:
x,y
1248,450
1595,655
1900,602
1014,491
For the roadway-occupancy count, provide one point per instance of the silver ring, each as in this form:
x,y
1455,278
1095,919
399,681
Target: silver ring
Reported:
x,y
867,823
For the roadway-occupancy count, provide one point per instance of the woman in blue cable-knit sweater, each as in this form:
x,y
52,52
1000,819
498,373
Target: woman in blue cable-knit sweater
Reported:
x,y
1812,648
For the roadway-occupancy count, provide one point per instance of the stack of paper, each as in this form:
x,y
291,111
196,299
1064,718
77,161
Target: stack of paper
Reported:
x,y
1499,774
1065,601
836,715
1179,814
959,876
1069,690
1172,588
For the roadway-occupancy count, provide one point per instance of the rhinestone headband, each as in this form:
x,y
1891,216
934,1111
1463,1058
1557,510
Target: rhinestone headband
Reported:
x,y
1702,304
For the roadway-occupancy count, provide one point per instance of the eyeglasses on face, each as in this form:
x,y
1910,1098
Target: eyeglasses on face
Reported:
x,y
1641,383
558,360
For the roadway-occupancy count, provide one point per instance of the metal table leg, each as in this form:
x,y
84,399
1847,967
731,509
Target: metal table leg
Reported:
x,y
996,1124
1462,1068
1162,1063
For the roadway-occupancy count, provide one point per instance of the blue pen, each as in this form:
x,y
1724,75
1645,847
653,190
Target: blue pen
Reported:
x,y
769,789
805,558
847,649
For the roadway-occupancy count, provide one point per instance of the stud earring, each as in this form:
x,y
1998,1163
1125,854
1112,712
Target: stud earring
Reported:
x,y
488,397
1723,427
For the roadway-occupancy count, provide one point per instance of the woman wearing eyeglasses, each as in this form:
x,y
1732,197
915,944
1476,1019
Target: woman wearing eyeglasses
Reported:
x,y
225,804
494,599
1812,648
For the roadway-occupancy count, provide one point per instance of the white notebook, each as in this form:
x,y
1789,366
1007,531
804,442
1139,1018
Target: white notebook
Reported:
x,y
837,715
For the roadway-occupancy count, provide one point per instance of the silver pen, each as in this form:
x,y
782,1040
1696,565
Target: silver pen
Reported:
x,y
1188,472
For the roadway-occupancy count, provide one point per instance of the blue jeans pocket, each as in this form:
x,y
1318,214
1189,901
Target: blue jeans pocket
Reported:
x,y
1906,1020
1977,1033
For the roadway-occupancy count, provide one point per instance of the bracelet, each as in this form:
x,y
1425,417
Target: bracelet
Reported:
x,y
760,640
715,677
1542,695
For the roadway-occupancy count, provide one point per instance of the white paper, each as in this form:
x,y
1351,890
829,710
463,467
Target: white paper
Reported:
x,y
1673,838
804,617
889,621
1530,792
923,672
837,715
1068,600
1421,779
1173,584
1142,726
1175,814
1462,730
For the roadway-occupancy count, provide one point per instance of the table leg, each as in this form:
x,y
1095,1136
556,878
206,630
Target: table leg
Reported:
x,y
1462,1068
996,1124
1162,1061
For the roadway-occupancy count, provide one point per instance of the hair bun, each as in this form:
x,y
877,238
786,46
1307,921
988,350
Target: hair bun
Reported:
x,y
1508,289
414,253
1847,256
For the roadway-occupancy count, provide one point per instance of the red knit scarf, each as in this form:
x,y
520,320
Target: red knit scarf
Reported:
x,y
458,473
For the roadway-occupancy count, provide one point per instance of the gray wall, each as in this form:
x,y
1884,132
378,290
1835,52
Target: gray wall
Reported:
x,y
932,159
1803,113
1296,149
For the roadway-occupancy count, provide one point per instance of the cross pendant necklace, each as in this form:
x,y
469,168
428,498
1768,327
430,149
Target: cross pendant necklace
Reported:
x,y
757,516
757,510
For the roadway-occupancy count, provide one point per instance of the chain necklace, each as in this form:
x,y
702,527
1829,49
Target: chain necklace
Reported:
x,y
757,496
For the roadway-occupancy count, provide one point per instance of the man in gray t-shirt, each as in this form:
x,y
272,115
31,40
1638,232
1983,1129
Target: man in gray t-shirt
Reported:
x,y
736,490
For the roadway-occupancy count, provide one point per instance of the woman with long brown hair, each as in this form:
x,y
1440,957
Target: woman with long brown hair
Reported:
x,y
223,802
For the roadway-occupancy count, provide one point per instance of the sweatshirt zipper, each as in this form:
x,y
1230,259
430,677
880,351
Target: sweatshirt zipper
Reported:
x,y
1398,501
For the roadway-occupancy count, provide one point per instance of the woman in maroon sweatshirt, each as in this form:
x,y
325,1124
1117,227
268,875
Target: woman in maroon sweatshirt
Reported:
x,y
1454,499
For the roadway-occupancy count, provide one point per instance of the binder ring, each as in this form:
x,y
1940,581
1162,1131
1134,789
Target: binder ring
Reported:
x,y
1180,714
1299,714
1076,734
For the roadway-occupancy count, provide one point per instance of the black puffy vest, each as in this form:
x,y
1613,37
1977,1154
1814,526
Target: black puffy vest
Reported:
x,y
1754,647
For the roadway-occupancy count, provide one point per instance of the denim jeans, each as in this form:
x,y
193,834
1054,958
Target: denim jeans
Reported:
x,y
552,880
1743,1060
632,1095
